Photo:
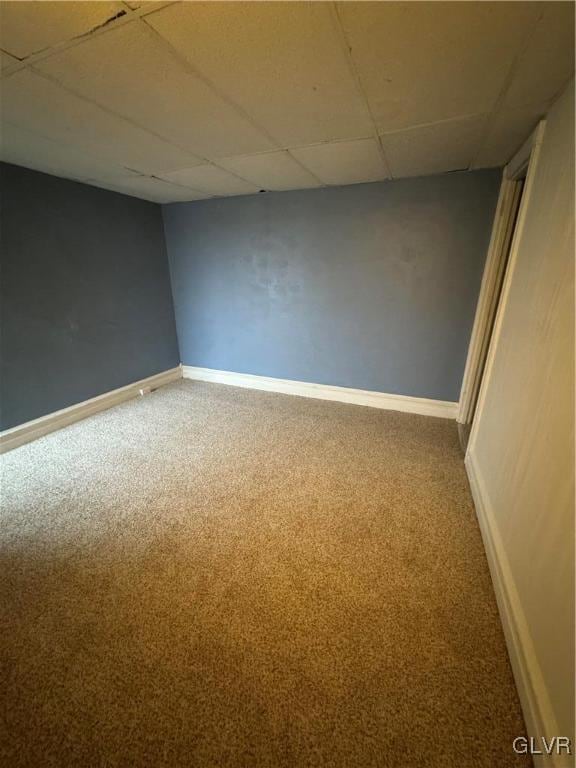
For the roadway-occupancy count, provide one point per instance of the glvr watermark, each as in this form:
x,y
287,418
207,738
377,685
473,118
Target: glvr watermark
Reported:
x,y
555,745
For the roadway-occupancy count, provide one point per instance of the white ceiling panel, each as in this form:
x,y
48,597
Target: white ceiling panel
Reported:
x,y
271,171
34,102
228,98
132,72
437,148
506,134
30,27
547,61
22,147
425,62
212,181
343,162
147,188
282,62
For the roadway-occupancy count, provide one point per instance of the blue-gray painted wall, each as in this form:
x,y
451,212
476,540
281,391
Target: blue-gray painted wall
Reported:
x,y
371,286
85,293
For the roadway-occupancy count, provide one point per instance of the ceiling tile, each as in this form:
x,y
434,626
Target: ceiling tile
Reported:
x,y
271,171
425,62
212,181
147,188
30,27
22,147
507,132
131,71
432,73
437,148
343,162
547,63
38,104
282,62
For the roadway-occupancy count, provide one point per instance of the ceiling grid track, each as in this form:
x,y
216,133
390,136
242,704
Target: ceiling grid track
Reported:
x,y
347,49
305,168
504,89
139,15
108,111
131,14
187,65
433,123
176,94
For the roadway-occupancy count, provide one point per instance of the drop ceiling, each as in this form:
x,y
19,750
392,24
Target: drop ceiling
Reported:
x,y
175,101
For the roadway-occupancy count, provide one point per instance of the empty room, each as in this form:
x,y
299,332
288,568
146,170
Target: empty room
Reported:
x,y
287,384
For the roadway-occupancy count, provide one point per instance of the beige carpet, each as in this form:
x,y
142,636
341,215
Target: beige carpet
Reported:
x,y
210,576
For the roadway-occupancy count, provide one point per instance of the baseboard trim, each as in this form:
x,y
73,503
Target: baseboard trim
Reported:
x,y
534,698
32,430
419,405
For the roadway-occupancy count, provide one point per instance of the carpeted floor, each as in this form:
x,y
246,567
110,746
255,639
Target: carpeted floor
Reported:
x,y
211,576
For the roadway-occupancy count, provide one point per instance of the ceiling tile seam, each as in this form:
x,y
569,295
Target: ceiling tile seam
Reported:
x,y
192,69
351,64
82,178
140,175
507,82
117,115
185,62
135,14
135,124
112,188
290,148
553,99
125,11
189,66
52,50
113,113
112,182
11,69
230,173
131,14
176,184
305,168
417,126
202,191
92,156
329,141
12,55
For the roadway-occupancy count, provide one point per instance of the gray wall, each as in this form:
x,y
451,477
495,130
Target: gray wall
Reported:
x,y
85,293
371,286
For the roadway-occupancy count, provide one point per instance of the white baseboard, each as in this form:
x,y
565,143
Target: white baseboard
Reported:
x,y
419,405
534,698
31,430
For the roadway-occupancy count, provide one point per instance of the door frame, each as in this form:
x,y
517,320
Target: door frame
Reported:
x,y
506,233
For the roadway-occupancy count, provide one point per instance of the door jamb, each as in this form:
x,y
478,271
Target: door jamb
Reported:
x,y
503,241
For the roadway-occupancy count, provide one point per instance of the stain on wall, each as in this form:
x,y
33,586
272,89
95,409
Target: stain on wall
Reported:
x,y
372,286
85,293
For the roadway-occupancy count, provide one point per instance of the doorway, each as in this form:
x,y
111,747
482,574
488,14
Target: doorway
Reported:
x,y
507,223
